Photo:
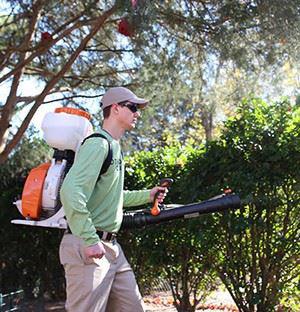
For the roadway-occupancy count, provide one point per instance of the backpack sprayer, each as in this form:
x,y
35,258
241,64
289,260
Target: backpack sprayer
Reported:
x,y
65,130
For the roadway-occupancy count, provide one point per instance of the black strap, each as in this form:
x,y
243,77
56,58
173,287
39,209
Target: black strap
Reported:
x,y
109,156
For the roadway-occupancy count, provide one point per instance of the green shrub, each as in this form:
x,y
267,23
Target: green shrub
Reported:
x,y
254,250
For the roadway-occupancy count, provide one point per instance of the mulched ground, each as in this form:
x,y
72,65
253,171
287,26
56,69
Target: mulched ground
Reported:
x,y
217,302
159,302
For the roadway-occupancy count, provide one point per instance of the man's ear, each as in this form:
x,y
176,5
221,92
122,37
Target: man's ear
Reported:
x,y
115,108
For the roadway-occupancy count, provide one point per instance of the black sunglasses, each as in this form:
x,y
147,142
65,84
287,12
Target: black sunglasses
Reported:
x,y
131,106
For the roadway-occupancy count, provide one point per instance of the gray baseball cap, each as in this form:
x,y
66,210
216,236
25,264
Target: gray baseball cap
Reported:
x,y
120,94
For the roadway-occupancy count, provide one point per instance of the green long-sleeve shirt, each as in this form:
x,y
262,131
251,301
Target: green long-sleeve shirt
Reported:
x,y
90,204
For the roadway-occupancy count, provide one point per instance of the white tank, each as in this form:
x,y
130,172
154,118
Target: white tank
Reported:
x,y
66,128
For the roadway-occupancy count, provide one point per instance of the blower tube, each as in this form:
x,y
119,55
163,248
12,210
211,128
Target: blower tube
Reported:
x,y
138,219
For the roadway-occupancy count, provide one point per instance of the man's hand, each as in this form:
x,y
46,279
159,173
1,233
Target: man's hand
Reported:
x,y
95,251
162,193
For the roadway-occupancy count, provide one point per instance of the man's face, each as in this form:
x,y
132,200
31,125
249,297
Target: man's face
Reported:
x,y
128,115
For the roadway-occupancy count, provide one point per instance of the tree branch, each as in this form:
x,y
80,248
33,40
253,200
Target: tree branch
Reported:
x,y
43,47
7,111
97,25
92,49
73,97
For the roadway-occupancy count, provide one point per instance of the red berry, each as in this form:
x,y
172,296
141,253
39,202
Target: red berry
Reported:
x,y
46,36
125,28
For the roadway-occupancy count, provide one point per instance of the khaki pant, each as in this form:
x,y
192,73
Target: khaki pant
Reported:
x,y
98,285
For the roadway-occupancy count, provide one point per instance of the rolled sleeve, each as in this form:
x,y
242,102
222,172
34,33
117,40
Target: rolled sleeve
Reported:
x,y
136,198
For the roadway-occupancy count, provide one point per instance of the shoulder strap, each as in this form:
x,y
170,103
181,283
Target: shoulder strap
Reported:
x,y
109,156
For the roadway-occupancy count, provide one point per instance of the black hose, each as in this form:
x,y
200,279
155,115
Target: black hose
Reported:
x,y
137,219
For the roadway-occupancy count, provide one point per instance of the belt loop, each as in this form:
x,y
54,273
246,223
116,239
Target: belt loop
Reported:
x,y
104,235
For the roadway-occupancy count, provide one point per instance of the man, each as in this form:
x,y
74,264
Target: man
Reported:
x,y
98,276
